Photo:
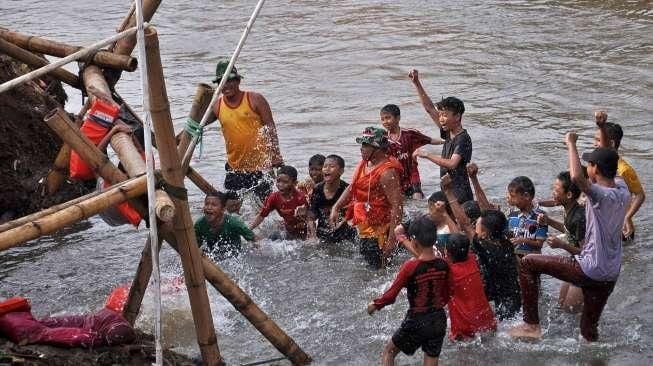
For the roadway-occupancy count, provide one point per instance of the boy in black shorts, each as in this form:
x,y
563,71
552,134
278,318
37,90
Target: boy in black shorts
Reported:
x,y
425,279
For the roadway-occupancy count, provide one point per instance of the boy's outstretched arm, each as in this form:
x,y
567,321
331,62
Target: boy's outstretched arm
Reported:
x,y
575,170
427,103
483,202
458,212
257,221
557,243
544,219
601,118
450,163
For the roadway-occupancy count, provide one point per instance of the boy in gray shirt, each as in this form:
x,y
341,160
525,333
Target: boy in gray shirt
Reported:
x,y
596,269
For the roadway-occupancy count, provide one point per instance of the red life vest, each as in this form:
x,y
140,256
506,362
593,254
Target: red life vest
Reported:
x,y
378,212
97,123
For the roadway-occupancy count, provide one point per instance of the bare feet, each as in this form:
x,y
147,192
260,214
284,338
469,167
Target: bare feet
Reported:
x,y
526,331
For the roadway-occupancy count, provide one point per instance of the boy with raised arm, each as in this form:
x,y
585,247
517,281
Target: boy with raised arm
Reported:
x,y
447,114
402,144
596,269
566,193
610,135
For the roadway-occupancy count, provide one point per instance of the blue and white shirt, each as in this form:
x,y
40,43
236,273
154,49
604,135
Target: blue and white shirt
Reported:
x,y
522,225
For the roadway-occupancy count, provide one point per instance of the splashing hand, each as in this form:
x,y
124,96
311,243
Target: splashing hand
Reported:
x,y
371,308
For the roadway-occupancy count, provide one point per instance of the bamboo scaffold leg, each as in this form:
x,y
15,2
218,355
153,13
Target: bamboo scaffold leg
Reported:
x,y
139,284
183,225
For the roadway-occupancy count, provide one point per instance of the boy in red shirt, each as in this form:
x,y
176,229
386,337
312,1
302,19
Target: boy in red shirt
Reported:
x,y
469,309
402,143
425,279
285,201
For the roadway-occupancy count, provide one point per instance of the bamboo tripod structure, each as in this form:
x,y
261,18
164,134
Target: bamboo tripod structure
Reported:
x,y
182,238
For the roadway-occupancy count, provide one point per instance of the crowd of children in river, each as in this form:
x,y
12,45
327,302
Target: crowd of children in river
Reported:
x,y
467,252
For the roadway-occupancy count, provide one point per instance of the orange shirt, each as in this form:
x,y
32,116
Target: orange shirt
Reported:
x,y
246,141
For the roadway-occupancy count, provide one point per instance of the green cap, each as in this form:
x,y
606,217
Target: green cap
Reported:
x,y
221,67
374,136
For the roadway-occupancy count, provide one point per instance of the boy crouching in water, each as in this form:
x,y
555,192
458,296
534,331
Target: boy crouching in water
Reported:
x,y
425,279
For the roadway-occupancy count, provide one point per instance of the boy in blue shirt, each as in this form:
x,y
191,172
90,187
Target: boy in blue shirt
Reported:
x,y
525,233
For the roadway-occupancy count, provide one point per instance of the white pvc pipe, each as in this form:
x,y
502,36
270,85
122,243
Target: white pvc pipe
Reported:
x,y
66,60
191,147
149,169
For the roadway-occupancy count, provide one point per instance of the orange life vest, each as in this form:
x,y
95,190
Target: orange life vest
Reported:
x,y
97,123
367,190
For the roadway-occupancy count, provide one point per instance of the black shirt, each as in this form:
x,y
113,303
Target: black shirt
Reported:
x,y
461,144
320,206
498,266
575,225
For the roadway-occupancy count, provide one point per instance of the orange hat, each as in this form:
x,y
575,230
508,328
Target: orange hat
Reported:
x,y
117,299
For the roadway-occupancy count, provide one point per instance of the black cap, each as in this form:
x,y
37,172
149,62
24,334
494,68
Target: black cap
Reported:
x,y
606,158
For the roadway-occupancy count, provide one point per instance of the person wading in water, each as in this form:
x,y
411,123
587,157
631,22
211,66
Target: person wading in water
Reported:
x,y
250,134
376,198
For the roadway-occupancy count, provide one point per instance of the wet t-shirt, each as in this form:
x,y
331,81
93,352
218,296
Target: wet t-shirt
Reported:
x,y
296,227
409,140
320,206
575,225
426,282
226,240
460,144
605,210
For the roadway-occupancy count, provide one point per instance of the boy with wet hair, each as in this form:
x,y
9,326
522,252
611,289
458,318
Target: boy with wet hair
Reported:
x,y
425,279
286,201
610,135
324,196
219,233
315,164
526,234
457,147
596,269
402,143
566,193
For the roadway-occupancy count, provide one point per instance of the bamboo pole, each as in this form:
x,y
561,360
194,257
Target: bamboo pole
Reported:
x,y
182,223
50,210
139,284
185,162
58,49
84,52
99,163
201,101
35,61
125,46
79,211
246,306
59,171
134,165
200,182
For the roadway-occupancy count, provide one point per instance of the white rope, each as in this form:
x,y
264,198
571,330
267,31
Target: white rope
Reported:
x,y
149,165
66,60
191,148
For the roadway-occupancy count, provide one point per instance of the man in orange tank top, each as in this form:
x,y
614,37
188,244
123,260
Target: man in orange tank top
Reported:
x,y
250,135
374,197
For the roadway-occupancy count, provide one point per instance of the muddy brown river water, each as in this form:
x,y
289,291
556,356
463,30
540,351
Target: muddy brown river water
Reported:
x,y
528,71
